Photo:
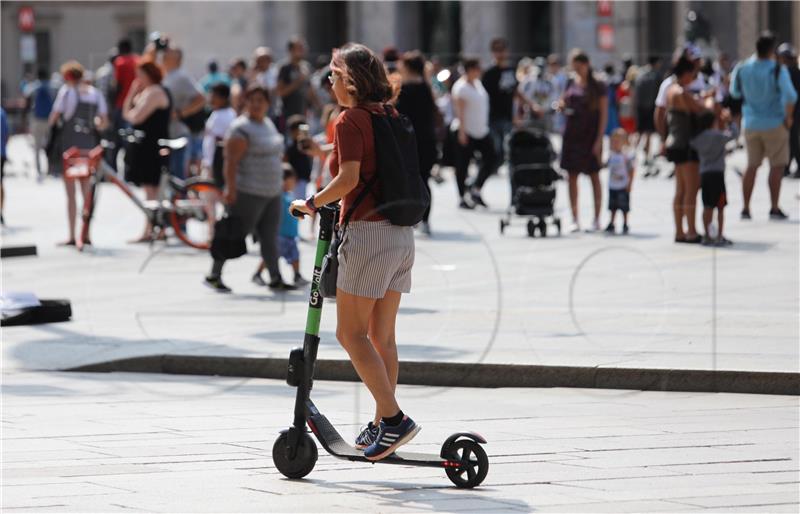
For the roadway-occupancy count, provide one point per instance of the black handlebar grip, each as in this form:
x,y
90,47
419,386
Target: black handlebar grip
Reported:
x,y
298,214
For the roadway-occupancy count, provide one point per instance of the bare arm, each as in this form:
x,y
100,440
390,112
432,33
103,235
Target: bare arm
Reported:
x,y
196,105
235,148
146,104
284,89
344,182
660,121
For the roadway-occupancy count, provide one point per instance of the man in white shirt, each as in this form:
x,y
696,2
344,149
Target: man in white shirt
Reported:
x,y
471,109
216,127
698,86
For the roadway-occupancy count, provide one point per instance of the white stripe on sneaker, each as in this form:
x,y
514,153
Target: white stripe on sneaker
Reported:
x,y
384,443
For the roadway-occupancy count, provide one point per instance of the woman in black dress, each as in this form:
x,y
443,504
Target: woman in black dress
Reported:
x,y
147,108
417,103
585,104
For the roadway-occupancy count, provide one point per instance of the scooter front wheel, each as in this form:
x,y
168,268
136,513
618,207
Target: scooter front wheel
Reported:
x,y
303,461
474,464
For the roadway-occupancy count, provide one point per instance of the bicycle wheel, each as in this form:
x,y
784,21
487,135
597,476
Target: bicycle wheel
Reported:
x,y
194,212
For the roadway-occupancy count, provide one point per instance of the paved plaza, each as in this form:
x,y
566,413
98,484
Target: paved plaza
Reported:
x,y
82,442
130,443
584,299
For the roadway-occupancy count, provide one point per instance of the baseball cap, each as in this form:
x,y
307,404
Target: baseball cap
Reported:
x,y
786,50
693,51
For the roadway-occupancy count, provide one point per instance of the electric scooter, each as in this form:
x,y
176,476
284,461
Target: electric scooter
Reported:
x,y
295,453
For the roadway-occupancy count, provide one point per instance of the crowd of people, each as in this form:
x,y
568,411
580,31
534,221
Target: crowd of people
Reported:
x,y
255,125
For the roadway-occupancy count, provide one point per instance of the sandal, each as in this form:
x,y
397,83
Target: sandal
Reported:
x,y
693,240
68,242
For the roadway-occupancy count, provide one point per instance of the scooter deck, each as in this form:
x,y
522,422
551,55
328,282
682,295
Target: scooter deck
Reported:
x,y
333,443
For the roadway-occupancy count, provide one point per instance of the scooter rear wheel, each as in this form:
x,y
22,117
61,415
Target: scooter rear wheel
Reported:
x,y
303,461
474,464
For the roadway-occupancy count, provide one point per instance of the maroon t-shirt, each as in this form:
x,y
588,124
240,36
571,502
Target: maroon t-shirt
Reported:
x,y
353,141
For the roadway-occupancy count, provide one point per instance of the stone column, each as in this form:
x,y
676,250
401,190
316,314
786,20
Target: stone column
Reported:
x,y
196,27
796,25
281,20
480,23
372,24
747,27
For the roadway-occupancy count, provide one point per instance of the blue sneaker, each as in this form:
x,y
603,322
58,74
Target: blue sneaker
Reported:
x,y
390,438
367,436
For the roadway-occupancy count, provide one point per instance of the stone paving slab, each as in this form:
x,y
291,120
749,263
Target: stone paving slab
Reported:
x,y
581,299
74,442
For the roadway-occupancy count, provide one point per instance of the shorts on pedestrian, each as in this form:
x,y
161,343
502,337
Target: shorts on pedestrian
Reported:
x,y
712,184
287,248
772,144
375,257
682,155
619,200
196,147
644,119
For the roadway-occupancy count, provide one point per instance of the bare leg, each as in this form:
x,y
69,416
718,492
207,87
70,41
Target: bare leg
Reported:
x,y
708,214
382,336
677,201
692,186
150,193
720,220
353,315
775,178
597,189
748,180
71,207
573,195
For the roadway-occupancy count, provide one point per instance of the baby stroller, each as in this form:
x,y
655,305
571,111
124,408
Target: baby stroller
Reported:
x,y
533,190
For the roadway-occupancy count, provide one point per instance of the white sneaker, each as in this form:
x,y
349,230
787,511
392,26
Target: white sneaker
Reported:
x,y
574,227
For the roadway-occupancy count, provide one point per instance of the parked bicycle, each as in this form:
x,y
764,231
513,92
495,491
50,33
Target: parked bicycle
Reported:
x,y
189,207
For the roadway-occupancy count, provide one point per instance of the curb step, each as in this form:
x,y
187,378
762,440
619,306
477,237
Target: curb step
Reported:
x,y
456,374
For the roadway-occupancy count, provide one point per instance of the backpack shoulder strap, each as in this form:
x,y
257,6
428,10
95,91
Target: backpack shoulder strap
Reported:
x,y
360,198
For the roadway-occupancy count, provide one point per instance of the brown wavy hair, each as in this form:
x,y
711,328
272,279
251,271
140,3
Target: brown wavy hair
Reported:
x,y
364,74
152,70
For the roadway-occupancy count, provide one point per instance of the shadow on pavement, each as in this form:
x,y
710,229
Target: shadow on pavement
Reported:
x,y
426,498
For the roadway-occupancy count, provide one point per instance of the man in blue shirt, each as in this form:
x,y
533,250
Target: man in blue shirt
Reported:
x,y
769,99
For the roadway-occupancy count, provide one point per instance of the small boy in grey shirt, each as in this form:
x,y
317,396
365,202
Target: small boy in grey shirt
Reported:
x,y
710,147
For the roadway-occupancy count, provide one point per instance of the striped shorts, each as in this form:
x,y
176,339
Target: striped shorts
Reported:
x,y
375,257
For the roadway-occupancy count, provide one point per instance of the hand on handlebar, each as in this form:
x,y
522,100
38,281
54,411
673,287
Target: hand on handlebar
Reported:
x,y
299,209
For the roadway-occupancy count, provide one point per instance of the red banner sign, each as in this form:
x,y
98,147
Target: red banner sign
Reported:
x,y
605,37
25,19
605,8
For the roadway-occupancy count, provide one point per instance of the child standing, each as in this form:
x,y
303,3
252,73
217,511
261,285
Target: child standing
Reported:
x,y
710,146
287,236
620,179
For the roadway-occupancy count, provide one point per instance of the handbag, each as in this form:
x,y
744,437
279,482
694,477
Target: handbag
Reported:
x,y
229,238
329,271
196,122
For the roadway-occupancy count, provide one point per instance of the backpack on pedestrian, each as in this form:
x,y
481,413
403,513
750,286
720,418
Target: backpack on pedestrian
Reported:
x,y
402,196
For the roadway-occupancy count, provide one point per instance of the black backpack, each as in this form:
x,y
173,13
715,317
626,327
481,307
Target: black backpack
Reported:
x,y
402,196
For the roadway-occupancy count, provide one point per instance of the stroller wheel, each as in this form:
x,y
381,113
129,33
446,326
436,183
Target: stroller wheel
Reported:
x,y
542,228
531,228
557,223
502,226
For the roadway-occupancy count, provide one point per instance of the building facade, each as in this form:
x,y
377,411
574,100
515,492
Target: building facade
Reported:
x,y
606,30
